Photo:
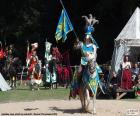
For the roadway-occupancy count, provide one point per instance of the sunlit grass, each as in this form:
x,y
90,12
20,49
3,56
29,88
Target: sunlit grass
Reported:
x,y
23,93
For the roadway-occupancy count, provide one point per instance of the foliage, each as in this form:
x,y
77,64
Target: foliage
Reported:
x,y
34,20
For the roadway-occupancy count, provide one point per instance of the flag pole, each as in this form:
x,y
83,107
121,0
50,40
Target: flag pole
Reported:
x,y
65,10
27,54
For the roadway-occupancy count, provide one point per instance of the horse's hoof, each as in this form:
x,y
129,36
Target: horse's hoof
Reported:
x,y
84,110
88,111
94,112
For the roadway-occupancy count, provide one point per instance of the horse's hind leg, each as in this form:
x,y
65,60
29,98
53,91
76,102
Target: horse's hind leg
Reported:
x,y
38,87
32,86
56,85
15,79
13,82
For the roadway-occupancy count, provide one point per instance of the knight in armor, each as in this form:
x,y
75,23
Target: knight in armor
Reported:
x,y
34,67
32,59
88,77
88,50
10,54
11,65
88,46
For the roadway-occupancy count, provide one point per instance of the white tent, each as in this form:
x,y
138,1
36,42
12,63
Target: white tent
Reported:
x,y
3,84
127,42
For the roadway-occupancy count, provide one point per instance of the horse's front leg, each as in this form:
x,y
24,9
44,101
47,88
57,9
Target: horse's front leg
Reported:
x,y
87,100
32,82
94,100
82,99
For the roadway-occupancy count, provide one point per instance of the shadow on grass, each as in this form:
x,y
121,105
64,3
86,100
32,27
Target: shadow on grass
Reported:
x,y
29,109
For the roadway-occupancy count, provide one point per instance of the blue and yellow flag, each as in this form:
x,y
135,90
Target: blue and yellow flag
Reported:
x,y
64,26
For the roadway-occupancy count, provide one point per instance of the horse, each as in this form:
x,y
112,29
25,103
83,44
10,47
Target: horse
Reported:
x,y
88,83
35,78
12,69
50,76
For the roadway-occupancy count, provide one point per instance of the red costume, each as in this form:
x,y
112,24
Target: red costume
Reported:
x,y
2,54
126,79
33,60
126,76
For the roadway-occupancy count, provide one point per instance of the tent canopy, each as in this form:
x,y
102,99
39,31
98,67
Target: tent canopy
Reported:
x,y
127,42
131,31
3,84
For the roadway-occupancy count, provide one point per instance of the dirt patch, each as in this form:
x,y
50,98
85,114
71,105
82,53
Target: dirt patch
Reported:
x,y
68,108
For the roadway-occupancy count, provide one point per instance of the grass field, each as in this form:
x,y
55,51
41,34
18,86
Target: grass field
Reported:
x,y
23,93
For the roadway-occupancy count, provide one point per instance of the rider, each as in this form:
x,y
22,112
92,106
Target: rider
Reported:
x,y
89,78
88,46
88,49
88,52
33,58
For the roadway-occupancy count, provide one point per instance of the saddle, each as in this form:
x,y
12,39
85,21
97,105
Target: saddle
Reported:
x,y
37,72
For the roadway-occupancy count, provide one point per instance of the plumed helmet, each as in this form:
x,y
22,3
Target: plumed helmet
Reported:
x,y
34,45
89,30
89,36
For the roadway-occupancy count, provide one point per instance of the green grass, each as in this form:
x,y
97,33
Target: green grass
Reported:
x,y
23,93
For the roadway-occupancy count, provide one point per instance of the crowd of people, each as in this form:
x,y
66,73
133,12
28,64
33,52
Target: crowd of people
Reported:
x,y
11,66
128,76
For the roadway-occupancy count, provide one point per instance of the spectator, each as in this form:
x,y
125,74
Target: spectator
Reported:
x,y
126,81
135,72
113,84
137,88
